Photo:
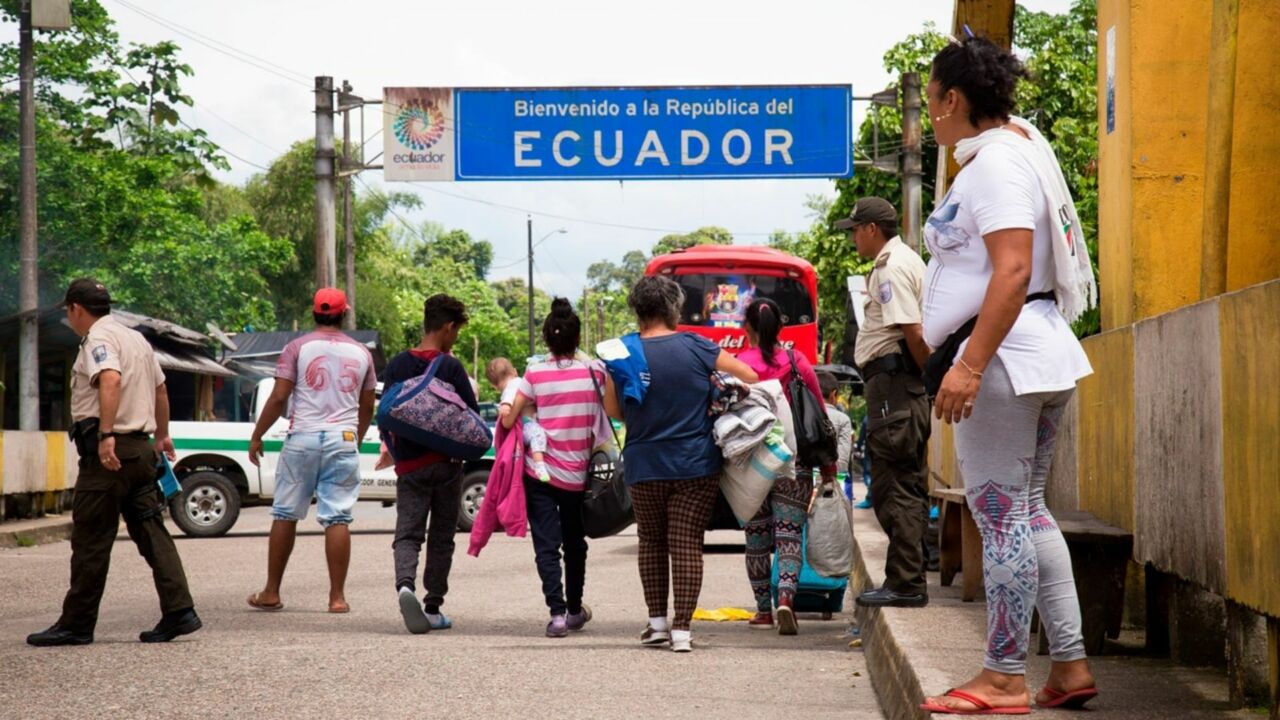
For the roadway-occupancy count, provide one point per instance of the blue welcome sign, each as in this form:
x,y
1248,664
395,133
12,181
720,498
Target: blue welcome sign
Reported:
x,y
801,131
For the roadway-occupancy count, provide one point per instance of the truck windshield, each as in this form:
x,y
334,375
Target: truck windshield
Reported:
x,y
721,299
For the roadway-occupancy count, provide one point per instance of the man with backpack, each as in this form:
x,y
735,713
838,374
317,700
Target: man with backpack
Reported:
x,y
326,380
890,352
428,483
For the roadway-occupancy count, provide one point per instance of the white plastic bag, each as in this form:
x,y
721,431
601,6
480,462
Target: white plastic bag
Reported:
x,y
830,547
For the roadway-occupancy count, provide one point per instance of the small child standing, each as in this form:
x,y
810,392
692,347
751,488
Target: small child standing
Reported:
x,y
503,376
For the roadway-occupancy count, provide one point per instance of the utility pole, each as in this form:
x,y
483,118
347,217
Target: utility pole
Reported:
x,y
29,296
529,225
600,317
326,250
349,322
912,161
586,330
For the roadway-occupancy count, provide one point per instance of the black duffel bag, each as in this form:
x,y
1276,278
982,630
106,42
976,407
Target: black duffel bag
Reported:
x,y
815,435
606,504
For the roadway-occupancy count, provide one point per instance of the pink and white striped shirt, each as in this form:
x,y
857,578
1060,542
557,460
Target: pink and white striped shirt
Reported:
x,y
569,409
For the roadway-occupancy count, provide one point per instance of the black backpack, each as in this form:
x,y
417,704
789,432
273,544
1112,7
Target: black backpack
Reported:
x,y
815,435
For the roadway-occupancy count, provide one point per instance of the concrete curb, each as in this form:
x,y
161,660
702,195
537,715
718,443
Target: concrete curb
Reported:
x,y
35,532
892,676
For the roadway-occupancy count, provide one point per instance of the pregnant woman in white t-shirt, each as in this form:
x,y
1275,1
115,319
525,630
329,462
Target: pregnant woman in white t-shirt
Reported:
x,y
992,239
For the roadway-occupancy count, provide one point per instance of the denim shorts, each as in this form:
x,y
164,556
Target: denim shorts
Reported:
x,y
323,464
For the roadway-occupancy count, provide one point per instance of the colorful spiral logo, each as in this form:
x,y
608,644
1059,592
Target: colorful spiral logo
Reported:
x,y
419,124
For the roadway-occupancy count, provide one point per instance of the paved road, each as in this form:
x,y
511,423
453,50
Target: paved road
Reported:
x,y
304,662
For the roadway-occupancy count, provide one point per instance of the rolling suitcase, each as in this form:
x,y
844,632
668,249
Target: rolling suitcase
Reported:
x,y
814,593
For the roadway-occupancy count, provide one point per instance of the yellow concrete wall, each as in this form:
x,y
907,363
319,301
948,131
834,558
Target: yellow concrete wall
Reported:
x,y
35,462
1251,444
1115,206
1253,254
1170,84
1104,430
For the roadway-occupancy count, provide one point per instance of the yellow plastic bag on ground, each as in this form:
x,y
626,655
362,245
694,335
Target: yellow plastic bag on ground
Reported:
x,y
726,614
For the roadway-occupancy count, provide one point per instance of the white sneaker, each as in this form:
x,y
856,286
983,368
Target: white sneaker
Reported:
x,y
654,637
681,641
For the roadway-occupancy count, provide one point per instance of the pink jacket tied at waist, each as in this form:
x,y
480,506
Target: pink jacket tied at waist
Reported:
x,y
503,505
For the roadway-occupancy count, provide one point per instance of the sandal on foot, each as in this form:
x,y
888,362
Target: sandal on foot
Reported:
x,y
1073,700
255,601
980,706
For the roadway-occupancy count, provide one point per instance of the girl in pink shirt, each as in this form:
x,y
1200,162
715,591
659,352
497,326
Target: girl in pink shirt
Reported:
x,y
779,524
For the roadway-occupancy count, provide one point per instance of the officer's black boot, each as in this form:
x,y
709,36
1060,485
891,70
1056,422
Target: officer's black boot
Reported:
x,y
183,622
56,635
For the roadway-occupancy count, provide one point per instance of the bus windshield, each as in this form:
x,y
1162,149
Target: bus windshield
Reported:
x,y
720,300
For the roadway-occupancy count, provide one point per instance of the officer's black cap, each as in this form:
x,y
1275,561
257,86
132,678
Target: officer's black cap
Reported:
x,y
867,211
89,293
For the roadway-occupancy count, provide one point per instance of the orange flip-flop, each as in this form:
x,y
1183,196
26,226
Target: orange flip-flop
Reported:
x,y
980,706
255,601
1073,700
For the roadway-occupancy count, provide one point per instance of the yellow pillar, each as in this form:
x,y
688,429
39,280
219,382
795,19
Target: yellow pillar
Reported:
x,y
1217,160
1253,253
1153,76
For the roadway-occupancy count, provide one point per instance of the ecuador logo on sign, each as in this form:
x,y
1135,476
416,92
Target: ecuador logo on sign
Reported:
x,y
449,134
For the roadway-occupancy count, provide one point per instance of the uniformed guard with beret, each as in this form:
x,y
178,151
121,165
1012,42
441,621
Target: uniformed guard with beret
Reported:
x,y
890,351
118,399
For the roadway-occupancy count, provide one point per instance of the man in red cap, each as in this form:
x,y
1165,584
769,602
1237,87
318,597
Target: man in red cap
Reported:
x,y
328,380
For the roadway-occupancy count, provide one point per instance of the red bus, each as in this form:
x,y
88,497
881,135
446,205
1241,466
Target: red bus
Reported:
x,y
720,281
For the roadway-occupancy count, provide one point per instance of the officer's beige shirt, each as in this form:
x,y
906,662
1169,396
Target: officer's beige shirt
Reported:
x,y
112,346
895,296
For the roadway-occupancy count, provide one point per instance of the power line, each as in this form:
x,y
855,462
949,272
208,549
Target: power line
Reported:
x,y
225,49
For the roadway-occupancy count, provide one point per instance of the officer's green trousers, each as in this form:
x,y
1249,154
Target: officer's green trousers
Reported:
x,y
897,441
101,497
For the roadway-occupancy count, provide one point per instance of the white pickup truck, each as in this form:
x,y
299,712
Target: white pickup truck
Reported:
x,y
218,479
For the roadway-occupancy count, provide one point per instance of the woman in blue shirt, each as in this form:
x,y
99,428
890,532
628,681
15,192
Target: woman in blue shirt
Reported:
x,y
672,461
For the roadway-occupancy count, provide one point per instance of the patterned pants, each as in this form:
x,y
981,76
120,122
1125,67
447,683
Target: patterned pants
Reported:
x,y
1005,449
778,527
671,520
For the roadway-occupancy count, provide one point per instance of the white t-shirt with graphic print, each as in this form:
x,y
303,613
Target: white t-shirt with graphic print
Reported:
x,y
998,190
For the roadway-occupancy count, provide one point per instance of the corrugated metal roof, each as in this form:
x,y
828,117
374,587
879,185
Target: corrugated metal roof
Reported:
x,y
191,362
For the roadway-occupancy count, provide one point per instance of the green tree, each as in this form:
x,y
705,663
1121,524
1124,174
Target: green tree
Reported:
x,y
709,235
456,245
122,181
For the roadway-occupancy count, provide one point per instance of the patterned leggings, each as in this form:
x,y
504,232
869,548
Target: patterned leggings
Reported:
x,y
778,526
1005,449
671,520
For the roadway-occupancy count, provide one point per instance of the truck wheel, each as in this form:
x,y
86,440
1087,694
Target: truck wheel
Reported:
x,y
473,484
208,506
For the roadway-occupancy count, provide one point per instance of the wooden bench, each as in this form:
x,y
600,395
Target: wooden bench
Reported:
x,y
1100,556
959,544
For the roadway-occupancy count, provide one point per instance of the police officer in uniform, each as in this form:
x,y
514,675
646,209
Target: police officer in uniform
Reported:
x,y
890,351
118,398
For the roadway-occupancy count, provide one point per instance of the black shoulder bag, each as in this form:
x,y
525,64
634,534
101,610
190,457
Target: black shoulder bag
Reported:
x,y
815,435
606,504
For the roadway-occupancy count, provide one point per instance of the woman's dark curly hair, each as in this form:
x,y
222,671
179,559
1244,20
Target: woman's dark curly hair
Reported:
x,y
986,74
562,329
656,299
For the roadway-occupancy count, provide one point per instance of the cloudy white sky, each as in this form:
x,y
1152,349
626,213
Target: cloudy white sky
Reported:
x,y
257,112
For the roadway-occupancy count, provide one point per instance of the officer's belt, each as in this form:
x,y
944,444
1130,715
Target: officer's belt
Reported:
x,y
892,363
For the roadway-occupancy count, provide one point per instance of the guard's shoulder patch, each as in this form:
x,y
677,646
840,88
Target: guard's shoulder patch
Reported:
x,y
99,353
886,292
